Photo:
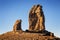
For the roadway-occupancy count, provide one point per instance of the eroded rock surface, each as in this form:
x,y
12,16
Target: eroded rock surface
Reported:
x,y
17,25
26,36
36,18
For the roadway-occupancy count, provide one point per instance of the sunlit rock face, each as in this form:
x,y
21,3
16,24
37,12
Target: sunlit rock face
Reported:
x,y
36,18
17,25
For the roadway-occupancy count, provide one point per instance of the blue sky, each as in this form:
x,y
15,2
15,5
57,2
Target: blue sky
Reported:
x,y
11,10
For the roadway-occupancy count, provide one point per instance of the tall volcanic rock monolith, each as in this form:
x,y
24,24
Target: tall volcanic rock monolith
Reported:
x,y
36,18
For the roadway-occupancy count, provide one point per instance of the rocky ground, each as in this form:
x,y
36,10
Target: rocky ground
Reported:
x,y
20,35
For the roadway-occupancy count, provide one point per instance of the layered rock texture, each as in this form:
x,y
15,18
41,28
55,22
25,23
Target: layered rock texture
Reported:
x,y
36,29
36,18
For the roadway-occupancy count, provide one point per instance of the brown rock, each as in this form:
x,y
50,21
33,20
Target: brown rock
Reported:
x,y
36,18
17,25
26,36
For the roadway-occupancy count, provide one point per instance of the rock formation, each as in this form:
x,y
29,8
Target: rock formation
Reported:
x,y
17,25
36,29
36,18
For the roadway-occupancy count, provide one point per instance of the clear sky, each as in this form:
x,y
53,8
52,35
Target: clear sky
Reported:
x,y
11,10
